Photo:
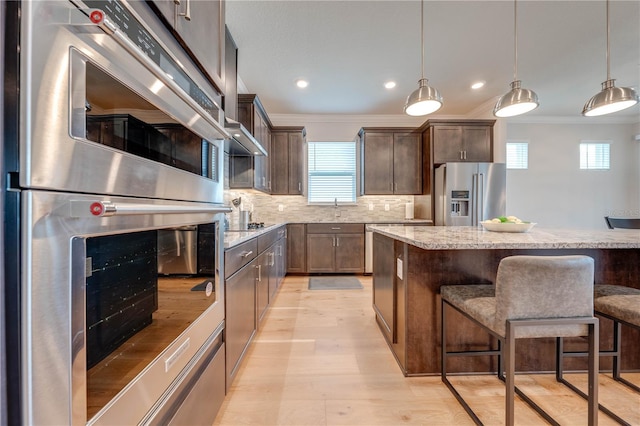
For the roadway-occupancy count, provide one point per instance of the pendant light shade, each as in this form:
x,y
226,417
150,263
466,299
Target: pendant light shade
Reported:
x,y
425,99
518,100
610,98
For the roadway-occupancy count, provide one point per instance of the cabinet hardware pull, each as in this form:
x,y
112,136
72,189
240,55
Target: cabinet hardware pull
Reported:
x,y
337,241
336,228
259,272
246,253
299,187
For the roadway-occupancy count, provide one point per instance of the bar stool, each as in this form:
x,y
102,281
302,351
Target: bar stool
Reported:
x,y
533,297
621,305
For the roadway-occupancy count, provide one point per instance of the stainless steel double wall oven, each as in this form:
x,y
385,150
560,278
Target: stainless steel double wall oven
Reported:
x,y
118,144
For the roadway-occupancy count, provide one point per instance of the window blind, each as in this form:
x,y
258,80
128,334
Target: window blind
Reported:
x,y
517,155
594,155
332,172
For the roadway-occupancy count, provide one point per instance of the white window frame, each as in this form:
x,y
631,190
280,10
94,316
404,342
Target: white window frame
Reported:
x,y
352,173
591,159
522,163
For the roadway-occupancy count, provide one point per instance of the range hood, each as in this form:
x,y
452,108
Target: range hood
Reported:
x,y
243,142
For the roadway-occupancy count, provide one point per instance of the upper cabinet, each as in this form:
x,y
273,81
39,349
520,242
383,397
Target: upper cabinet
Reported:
x,y
199,27
246,171
287,160
391,161
460,140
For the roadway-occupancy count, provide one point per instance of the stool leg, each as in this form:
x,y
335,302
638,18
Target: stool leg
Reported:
x,y
594,359
510,355
617,346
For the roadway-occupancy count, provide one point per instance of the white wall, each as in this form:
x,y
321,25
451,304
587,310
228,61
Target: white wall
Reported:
x,y
554,192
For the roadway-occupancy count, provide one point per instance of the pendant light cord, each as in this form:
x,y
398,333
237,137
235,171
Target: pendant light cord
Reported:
x,y
608,64
422,35
515,40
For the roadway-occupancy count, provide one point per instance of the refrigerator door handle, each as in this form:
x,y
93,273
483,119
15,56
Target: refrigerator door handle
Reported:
x,y
480,195
474,199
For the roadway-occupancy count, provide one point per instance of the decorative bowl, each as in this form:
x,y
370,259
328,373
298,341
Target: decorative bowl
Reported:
x,y
507,226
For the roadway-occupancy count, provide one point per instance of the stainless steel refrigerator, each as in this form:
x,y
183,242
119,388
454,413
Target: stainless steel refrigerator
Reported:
x,y
468,193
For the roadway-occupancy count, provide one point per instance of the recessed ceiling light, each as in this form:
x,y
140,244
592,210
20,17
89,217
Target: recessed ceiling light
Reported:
x,y
302,83
477,85
390,84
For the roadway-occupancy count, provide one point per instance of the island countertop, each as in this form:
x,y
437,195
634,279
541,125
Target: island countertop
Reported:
x,y
471,237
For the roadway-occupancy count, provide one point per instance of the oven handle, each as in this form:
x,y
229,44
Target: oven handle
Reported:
x,y
81,208
113,30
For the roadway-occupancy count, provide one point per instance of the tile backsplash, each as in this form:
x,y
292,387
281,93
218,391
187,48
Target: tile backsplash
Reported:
x,y
294,208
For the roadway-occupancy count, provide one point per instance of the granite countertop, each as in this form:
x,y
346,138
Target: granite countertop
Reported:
x,y
233,238
469,237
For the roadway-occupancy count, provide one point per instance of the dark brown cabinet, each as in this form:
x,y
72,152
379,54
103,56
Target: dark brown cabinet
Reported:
x,y
199,27
241,268
391,161
296,248
249,171
287,161
265,265
335,247
461,141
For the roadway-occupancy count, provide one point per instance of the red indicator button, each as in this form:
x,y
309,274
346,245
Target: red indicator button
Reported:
x,y
96,16
96,209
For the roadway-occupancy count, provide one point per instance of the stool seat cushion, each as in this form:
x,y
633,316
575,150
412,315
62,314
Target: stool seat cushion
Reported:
x,y
530,288
476,300
619,302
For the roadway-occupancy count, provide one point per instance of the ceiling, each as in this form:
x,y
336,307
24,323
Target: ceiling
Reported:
x,y
347,49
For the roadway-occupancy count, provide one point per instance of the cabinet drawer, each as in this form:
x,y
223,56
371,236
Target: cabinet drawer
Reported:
x,y
266,240
334,228
238,256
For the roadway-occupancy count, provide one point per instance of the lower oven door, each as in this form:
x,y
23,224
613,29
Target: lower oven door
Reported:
x,y
105,336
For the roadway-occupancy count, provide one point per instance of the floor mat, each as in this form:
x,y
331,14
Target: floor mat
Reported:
x,y
334,283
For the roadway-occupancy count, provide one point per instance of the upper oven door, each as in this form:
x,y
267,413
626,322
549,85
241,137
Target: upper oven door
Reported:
x,y
107,109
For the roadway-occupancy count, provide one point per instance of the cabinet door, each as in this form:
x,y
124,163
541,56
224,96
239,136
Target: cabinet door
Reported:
x,y
203,34
407,163
447,144
384,302
240,315
349,253
296,248
296,162
321,252
477,143
279,163
262,284
378,163
241,172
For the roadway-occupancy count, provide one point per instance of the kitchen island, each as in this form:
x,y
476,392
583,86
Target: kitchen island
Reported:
x,y
411,263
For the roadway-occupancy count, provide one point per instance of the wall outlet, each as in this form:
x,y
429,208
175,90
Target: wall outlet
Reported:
x,y
370,206
280,208
386,207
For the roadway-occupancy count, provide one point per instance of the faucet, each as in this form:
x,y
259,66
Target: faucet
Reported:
x,y
336,211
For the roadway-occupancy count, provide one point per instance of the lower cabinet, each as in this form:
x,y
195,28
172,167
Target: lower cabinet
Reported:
x,y
251,285
296,248
335,247
240,320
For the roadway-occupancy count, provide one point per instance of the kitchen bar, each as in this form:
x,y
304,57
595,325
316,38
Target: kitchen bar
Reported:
x,y
406,288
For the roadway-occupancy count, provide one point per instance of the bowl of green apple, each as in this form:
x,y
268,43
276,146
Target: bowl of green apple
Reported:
x,y
507,224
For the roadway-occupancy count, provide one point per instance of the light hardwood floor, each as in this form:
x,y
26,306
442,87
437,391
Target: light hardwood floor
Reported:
x,y
320,359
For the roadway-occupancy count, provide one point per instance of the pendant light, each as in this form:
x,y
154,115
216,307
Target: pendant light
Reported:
x,y
610,98
425,99
518,100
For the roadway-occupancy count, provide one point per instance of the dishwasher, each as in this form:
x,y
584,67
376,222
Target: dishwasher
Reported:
x,y
368,251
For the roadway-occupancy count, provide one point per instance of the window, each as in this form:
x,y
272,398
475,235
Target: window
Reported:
x,y
594,155
332,172
517,155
